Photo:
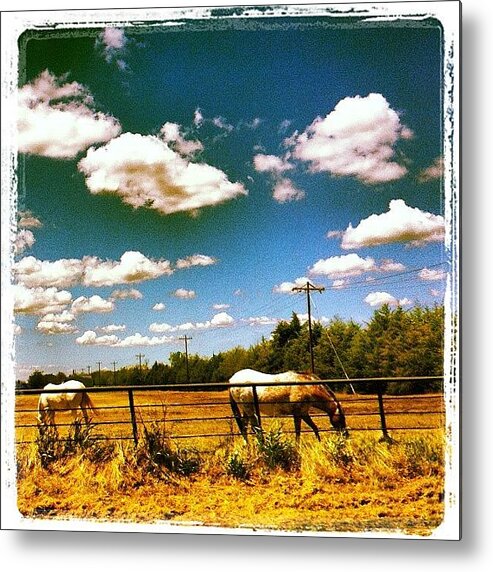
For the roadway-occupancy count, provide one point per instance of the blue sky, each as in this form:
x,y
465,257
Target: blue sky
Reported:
x,y
180,180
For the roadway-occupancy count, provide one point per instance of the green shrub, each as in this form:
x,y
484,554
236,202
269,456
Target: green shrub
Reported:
x,y
275,450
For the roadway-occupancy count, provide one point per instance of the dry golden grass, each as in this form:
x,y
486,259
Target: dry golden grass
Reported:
x,y
359,484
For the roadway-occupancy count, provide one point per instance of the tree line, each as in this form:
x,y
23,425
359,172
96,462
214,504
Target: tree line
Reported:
x,y
394,343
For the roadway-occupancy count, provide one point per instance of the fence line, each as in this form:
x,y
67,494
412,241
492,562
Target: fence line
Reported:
x,y
377,384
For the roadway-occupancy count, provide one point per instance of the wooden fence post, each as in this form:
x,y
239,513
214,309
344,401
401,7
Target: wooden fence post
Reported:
x,y
385,435
257,407
132,415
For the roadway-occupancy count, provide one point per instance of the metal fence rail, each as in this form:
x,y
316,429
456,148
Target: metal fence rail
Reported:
x,y
135,415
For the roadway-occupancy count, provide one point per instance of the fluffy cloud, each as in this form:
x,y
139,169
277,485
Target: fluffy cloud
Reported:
x,y
261,321
24,239
356,139
128,294
28,220
184,294
344,266
391,266
434,171
113,41
110,328
171,134
35,273
159,307
132,267
400,223
57,323
220,320
220,306
432,274
40,300
195,260
380,298
285,191
96,304
287,287
271,164
145,172
55,120
90,338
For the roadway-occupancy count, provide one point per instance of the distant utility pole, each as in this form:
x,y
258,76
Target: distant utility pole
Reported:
x,y
309,288
89,369
114,372
99,372
185,339
140,356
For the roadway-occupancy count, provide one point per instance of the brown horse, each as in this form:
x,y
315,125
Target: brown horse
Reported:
x,y
63,400
275,400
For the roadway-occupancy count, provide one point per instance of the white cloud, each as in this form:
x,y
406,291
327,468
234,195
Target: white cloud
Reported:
x,y
198,118
432,274
91,271
433,172
195,260
271,164
57,323
28,220
35,273
139,340
24,239
220,320
132,267
171,133
261,321
380,298
145,172
220,306
126,294
339,284
391,266
221,123
159,307
400,223
55,120
90,338
285,191
344,266
356,139
287,287
110,328
184,294
52,328
96,304
40,300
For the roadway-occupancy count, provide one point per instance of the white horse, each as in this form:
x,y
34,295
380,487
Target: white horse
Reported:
x,y
64,400
295,400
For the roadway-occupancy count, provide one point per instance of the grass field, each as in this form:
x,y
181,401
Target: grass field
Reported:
x,y
190,466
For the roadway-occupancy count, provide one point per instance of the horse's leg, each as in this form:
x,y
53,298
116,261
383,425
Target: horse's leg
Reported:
x,y
309,421
297,426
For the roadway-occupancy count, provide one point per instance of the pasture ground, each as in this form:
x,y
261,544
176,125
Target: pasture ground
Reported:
x,y
355,486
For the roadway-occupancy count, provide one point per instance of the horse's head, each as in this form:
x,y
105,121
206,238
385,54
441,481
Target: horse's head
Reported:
x,y
338,419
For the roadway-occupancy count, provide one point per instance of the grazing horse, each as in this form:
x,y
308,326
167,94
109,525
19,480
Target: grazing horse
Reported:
x,y
295,400
65,400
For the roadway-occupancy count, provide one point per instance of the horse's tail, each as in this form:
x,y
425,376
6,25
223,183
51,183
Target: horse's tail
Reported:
x,y
87,402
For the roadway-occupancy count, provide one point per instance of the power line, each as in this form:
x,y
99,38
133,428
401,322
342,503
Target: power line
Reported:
x,y
185,338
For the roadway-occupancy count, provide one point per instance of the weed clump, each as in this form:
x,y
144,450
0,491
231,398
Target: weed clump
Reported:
x,y
156,448
276,451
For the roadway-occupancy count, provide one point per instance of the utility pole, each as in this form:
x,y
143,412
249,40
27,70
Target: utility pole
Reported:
x,y
140,356
114,372
185,338
99,372
308,288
